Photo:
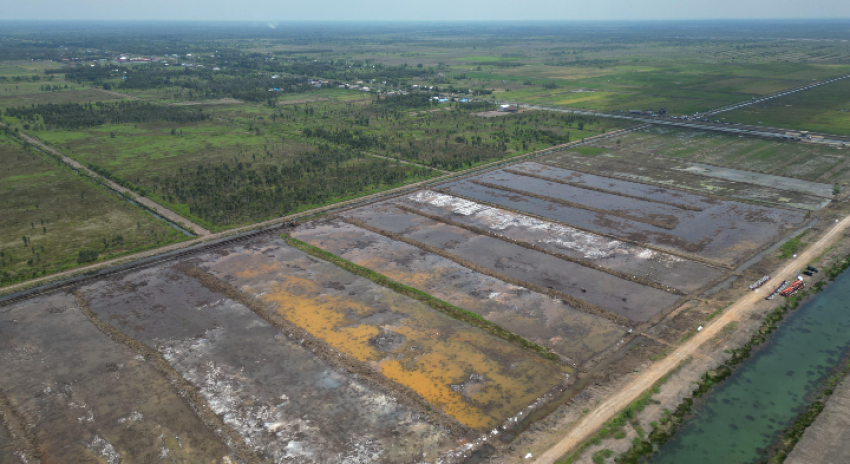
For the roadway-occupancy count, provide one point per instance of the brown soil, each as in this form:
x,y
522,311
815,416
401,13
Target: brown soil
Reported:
x,y
324,351
185,389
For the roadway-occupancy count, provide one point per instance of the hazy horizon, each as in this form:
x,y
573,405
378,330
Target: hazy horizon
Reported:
x,y
437,10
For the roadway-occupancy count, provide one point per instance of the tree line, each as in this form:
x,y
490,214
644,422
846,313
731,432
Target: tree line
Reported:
x,y
79,115
233,193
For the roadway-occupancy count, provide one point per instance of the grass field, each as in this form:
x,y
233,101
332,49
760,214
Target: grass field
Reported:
x,y
822,109
60,214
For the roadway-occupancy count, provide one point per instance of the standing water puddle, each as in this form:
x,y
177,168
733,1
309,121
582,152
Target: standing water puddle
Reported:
x,y
742,417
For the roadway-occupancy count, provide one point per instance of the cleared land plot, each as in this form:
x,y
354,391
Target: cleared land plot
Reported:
x,y
60,214
547,321
666,269
762,180
478,379
629,300
87,398
822,109
64,96
284,401
657,171
725,233
801,161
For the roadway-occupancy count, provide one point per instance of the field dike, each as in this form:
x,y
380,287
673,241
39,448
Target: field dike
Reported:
x,y
445,308
569,299
598,189
668,426
332,357
649,246
531,246
586,170
661,224
184,389
17,427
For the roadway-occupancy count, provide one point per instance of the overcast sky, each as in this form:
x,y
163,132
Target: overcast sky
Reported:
x,y
466,10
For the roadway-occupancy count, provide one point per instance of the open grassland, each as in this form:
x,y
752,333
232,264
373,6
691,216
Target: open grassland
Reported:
x,y
247,162
822,109
50,214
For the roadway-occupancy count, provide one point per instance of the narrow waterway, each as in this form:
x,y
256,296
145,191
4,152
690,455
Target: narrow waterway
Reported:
x,y
737,421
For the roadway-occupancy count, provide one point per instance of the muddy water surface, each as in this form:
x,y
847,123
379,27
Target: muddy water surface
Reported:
x,y
666,269
477,378
619,296
87,398
657,170
549,322
726,233
285,402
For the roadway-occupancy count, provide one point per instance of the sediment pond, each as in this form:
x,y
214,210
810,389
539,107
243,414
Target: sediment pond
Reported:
x,y
737,421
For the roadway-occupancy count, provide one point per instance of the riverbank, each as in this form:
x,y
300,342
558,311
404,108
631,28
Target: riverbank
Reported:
x,y
726,326
673,401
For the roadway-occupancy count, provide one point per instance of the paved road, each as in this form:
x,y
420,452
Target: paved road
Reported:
x,y
740,310
734,129
783,93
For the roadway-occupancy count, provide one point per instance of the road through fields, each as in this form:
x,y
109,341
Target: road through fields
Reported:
x,y
741,309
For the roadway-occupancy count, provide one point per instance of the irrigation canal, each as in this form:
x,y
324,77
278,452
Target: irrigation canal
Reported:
x,y
735,422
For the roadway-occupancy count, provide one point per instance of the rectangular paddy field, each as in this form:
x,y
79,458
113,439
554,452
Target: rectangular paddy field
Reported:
x,y
474,377
282,399
80,396
790,174
721,232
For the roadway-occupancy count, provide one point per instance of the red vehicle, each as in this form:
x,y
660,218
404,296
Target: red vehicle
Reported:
x,y
793,288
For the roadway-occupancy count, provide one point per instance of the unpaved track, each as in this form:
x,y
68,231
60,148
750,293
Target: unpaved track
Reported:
x,y
150,204
210,236
617,402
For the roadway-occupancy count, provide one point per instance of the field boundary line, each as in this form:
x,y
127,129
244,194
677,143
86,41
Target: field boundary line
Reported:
x,y
659,249
601,190
148,203
551,292
400,190
444,307
554,254
681,189
182,387
659,224
646,379
324,351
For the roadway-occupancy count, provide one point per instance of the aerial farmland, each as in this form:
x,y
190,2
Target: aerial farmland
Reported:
x,y
352,251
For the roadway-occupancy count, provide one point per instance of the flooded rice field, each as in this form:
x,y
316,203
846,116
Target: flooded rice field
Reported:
x,y
286,403
474,377
629,300
763,180
665,269
724,233
656,171
82,397
547,321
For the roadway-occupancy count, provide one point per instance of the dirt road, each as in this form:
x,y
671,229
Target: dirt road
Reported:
x,y
617,402
207,236
150,204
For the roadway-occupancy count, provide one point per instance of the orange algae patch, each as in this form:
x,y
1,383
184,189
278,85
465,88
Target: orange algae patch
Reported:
x,y
477,378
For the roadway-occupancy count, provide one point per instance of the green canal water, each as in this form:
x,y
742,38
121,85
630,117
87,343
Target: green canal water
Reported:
x,y
735,422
